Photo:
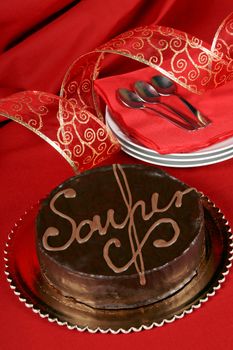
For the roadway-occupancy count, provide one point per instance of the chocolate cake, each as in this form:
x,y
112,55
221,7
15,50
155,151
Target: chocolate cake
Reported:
x,y
121,236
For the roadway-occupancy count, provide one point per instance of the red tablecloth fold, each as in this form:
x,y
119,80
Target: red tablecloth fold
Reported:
x,y
159,134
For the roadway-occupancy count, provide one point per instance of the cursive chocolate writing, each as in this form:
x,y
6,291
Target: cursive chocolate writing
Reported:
x,y
94,224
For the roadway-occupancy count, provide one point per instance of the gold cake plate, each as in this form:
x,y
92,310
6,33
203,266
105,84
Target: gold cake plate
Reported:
x,y
23,274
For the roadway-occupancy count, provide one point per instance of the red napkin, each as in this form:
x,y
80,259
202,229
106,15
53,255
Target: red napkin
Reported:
x,y
156,133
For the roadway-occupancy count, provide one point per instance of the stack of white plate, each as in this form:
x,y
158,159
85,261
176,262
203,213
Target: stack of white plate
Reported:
x,y
216,153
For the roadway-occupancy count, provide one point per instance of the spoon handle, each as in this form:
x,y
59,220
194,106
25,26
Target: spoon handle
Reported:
x,y
181,115
171,119
203,120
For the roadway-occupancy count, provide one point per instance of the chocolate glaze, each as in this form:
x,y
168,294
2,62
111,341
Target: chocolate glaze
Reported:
x,y
80,263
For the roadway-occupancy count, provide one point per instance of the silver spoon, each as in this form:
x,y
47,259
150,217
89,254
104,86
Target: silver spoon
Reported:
x,y
132,100
149,94
166,87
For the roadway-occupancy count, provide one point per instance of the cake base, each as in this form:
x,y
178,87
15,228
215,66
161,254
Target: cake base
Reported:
x,y
23,274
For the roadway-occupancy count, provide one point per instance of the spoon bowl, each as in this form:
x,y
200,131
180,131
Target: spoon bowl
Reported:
x,y
146,92
166,87
131,100
149,94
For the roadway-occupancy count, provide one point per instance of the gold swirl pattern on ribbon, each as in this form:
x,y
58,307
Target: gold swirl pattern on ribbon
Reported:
x,y
81,138
185,59
72,122
223,44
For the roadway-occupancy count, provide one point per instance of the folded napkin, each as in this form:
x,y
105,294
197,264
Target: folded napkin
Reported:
x,y
161,135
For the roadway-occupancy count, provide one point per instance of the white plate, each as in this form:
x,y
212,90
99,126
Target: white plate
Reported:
x,y
204,154
171,160
178,163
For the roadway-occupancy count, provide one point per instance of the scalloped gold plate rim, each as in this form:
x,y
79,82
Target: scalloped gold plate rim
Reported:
x,y
23,274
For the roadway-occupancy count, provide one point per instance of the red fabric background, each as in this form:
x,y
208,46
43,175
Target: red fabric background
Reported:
x,y
39,40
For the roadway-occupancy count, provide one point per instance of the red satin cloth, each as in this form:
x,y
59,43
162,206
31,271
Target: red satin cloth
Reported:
x,y
39,40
